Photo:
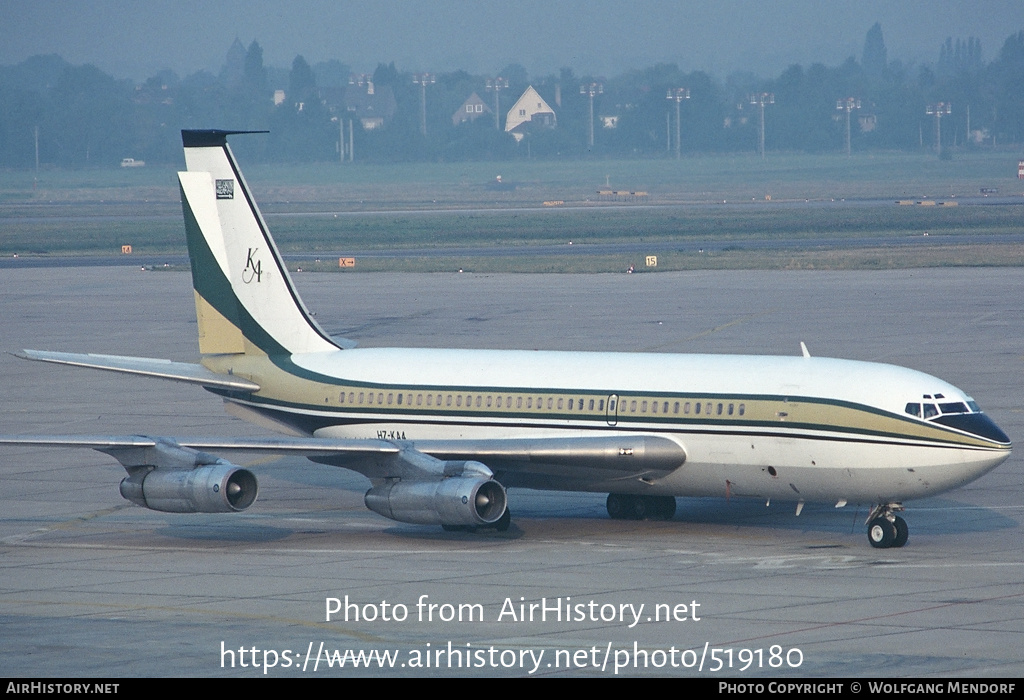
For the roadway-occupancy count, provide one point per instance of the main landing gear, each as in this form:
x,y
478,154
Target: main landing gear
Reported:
x,y
885,528
622,506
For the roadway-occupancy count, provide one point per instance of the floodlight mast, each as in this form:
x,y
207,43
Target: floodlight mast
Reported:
x,y
761,99
939,109
423,80
847,105
362,80
497,85
678,94
591,90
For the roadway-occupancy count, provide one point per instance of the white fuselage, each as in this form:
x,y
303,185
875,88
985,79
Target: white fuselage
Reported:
x,y
794,428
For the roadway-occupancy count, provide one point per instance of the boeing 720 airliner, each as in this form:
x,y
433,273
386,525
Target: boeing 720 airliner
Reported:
x,y
441,433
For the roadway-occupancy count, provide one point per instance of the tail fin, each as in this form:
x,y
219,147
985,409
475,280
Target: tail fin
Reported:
x,y
245,300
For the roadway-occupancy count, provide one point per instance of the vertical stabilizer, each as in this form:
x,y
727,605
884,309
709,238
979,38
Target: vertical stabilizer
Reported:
x,y
245,299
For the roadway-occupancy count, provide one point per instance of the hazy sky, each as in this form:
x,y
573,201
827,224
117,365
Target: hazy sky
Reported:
x,y
135,38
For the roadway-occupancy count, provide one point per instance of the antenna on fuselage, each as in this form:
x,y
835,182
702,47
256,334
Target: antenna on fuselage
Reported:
x,y
804,350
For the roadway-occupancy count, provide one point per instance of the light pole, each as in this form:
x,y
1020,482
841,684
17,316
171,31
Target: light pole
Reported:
x,y
351,134
678,94
423,80
497,85
939,109
761,99
341,138
591,90
364,80
848,105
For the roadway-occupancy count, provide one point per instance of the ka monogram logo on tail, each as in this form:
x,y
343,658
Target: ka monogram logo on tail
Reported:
x,y
253,269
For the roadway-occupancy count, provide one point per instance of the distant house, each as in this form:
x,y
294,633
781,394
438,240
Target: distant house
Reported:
x,y
373,106
471,109
528,112
333,98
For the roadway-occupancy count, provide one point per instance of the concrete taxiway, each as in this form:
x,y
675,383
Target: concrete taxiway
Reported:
x,y
91,585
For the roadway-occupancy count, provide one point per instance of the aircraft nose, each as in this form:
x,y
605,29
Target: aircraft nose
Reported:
x,y
985,427
977,424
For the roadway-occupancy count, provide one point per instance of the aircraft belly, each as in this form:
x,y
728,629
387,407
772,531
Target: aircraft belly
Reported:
x,y
779,468
822,470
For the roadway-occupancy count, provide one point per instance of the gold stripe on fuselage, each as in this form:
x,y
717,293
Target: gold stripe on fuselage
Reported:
x,y
353,401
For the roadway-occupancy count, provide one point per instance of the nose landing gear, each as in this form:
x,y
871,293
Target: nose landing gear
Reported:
x,y
885,528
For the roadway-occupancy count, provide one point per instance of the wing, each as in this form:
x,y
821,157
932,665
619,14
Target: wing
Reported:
x,y
637,456
446,482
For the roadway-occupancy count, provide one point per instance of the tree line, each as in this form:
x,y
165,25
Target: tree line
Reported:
x,y
80,116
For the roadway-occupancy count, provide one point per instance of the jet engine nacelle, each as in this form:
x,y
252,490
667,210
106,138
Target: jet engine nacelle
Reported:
x,y
451,501
217,488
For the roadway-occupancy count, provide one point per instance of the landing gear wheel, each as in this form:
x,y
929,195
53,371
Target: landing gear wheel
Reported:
x,y
504,521
640,508
881,533
663,507
618,506
902,532
885,528
623,506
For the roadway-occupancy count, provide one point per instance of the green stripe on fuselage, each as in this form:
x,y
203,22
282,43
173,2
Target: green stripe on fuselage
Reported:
x,y
296,390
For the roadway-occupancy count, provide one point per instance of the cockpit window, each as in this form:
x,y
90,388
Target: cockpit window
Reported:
x,y
930,411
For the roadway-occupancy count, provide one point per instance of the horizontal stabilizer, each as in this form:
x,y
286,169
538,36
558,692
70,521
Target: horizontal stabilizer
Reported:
x,y
146,366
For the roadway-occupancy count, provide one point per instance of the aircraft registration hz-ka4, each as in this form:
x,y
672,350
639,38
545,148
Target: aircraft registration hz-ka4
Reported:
x,y
441,433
